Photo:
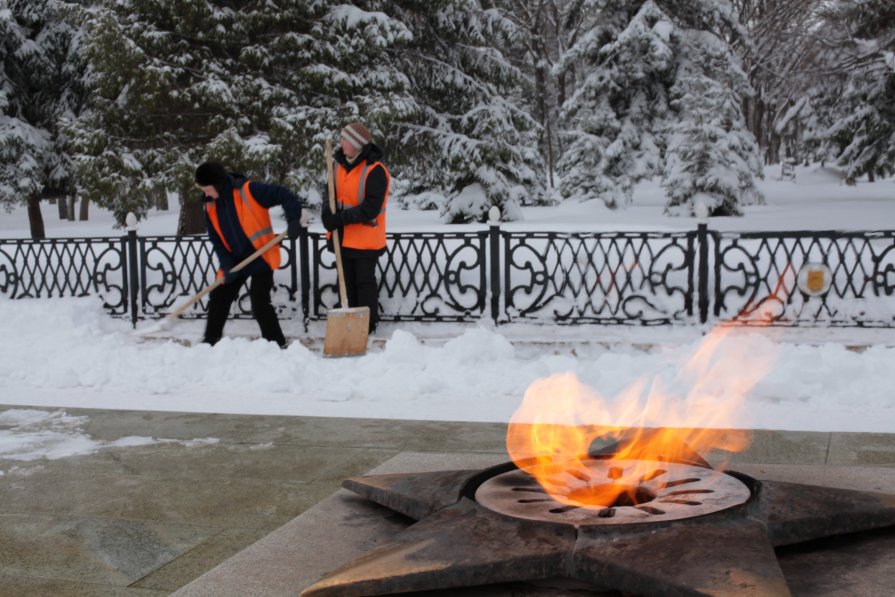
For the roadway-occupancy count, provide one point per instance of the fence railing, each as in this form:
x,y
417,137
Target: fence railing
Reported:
x,y
826,278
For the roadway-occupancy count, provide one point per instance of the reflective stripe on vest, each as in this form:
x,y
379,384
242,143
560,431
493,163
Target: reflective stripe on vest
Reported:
x,y
254,219
365,235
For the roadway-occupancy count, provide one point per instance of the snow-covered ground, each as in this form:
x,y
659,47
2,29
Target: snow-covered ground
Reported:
x,y
816,200
67,353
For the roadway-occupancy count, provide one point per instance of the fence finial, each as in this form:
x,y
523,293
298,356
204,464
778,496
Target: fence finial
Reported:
x,y
131,220
494,215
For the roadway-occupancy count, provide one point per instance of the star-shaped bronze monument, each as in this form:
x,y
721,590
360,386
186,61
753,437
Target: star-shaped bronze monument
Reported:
x,y
478,527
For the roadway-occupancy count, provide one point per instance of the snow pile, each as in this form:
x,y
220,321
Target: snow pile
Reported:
x,y
69,353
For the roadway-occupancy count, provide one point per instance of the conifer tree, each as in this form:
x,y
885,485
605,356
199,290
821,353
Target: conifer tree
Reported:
x,y
711,157
638,64
255,85
36,90
470,136
862,137
625,66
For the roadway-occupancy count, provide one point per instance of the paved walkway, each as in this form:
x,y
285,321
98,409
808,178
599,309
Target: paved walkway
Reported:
x,y
148,520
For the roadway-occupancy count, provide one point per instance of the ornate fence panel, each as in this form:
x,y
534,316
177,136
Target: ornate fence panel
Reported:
x,y
626,277
66,267
756,278
646,278
175,268
422,277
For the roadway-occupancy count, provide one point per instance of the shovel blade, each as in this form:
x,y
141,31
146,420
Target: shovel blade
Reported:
x,y
346,332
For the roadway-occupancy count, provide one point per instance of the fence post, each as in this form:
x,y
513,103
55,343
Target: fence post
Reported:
x,y
304,257
702,275
494,238
133,274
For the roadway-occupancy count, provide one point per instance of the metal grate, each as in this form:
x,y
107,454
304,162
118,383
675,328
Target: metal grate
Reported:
x,y
671,491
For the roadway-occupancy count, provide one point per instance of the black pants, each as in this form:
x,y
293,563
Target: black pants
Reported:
x,y
361,286
222,297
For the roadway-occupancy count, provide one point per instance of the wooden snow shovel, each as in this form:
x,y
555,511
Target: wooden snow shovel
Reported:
x,y
347,327
171,317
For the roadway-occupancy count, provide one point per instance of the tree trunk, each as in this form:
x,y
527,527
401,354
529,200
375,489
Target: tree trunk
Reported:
x,y
35,219
192,217
161,199
85,208
71,208
62,206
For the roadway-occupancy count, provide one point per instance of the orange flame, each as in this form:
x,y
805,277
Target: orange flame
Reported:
x,y
699,410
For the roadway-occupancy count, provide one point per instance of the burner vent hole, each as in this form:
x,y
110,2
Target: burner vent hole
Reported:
x,y
563,510
611,495
680,482
690,491
651,510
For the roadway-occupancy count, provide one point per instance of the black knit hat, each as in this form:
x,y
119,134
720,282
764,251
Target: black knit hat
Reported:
x,y
210,174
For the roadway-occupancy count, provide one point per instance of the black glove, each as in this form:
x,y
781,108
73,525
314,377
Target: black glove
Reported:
x,y
294,228
330,220
230,277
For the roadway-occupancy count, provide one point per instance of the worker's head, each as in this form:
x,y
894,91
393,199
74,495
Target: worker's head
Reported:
x,y
354,137
210,176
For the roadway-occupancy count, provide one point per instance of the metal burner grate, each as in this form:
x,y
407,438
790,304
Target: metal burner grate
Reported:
x,y
671,491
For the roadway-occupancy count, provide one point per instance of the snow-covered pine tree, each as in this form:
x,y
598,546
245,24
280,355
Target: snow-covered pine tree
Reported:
x,y
471,137
255,85
632,60
863,136
814,113
624,65
158,96
35,91
711,156
348,72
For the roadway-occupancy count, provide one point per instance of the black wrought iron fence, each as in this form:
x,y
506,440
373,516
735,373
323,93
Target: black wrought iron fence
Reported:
x,y
757,278
173,269
67,267
643,278
423,276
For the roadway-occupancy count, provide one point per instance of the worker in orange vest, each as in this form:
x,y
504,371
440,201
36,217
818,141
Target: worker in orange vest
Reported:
x,y
361,188
238,222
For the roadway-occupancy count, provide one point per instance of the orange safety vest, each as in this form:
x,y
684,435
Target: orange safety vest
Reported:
x,y
255,221
351,189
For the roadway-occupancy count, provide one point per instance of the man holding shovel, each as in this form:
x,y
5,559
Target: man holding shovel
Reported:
x,y
361,192
238,222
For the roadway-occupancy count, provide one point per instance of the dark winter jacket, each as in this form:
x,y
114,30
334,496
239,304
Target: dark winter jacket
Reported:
x,y
267,195
375,190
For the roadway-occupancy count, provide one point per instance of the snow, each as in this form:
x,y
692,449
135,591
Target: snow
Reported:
x,y
68,353
65,353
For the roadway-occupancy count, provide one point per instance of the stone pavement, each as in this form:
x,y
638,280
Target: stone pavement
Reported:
x,y
151,519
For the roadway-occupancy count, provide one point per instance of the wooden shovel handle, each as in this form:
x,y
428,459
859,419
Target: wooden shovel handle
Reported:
x,y
330,187
220,280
